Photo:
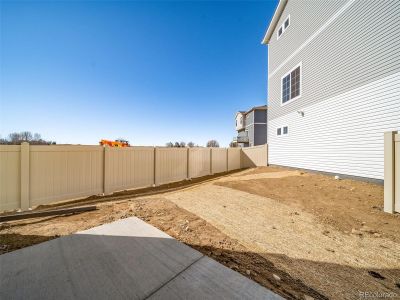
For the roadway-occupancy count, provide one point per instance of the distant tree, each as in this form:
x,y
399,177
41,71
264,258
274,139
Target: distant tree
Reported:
x,y
16,138
182,144
212,143
191,145
37,137
169,145
177,145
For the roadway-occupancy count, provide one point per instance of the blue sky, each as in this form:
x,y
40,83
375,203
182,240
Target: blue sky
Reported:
x,y
150,72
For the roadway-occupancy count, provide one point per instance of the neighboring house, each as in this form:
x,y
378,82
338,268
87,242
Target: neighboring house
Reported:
x,y
333,84
251,127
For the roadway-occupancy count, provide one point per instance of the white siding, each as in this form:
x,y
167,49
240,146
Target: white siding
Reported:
x,y
359,47
343,134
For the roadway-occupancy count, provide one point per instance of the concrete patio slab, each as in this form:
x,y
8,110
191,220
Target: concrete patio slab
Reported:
x,y
208,279
124,259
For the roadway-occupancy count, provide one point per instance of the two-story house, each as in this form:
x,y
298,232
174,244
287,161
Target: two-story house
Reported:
x,y
251,127
333,84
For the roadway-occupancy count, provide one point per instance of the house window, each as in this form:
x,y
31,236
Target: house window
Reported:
x,y
287,22
285,130
291,85
283,27
278,131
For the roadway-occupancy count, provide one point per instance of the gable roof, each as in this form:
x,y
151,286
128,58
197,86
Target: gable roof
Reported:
x,y
262,107
274,21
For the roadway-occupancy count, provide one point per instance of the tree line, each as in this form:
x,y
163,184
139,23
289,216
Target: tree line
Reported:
x,y
16,138
210,143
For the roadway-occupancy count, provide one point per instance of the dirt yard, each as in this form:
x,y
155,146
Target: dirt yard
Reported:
x,y
299,234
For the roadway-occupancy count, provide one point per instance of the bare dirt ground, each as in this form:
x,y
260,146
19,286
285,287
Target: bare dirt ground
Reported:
x,y
299,234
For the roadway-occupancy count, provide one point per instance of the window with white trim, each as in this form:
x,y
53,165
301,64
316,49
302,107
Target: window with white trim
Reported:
x,y
285,130
278,131
283,27
291,85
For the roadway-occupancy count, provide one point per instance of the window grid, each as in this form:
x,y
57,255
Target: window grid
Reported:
x,y
291,85
295,83
286,89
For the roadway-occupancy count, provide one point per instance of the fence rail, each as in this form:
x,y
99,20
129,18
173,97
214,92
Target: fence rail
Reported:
x,y
392,172
31,175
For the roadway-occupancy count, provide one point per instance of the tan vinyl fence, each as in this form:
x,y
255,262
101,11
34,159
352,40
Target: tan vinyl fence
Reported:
x,y
33,175
254,156
392,172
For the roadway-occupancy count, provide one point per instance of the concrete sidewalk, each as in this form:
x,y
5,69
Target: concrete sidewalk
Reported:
x,y
126,259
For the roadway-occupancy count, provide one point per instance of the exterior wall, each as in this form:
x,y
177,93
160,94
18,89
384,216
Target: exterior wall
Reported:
x,y
260,134
260,116
356,48
257,128
343,134
349,85
306,17
240,121
250,133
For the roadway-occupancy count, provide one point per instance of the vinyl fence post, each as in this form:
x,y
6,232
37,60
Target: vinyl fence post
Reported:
x,y
106,169
211,171
25,200
188,164
388,202
227,159
154,166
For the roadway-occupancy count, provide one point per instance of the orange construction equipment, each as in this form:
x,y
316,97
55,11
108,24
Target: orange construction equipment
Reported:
x,y
116,143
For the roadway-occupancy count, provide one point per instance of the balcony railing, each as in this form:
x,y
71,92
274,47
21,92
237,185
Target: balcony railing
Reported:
x,y
241,139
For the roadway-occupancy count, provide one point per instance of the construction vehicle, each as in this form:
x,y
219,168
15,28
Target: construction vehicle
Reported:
x,y
117,143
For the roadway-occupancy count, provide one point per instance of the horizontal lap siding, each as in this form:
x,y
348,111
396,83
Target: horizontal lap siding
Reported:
x,y
343,134
359,47
10,177
350,91
306,17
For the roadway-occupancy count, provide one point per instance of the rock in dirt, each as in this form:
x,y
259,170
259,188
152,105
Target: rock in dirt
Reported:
x,y
248,272
356,232
306,297
368,229
276,277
